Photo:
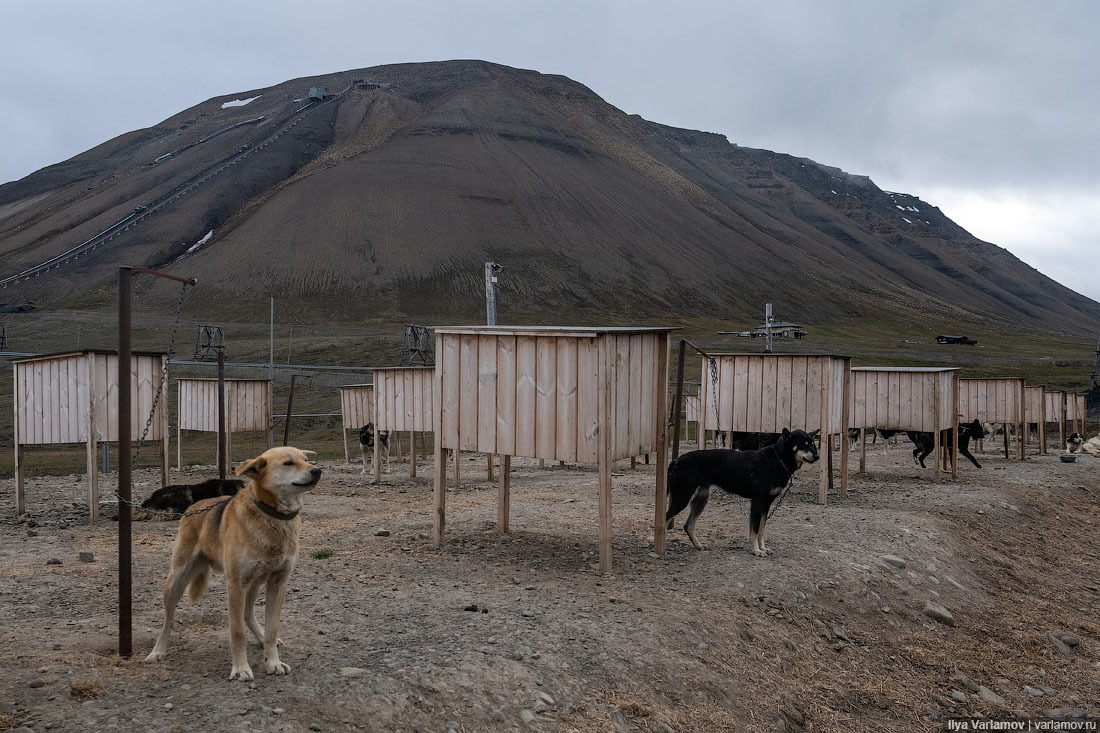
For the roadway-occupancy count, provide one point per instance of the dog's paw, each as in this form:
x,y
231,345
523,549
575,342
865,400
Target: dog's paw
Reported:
x,y
758,553
156,656
765,550
243,673
276,667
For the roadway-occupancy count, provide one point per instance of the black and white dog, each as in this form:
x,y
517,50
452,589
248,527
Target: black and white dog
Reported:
x,y
366,445
1074,442
758,475
166,502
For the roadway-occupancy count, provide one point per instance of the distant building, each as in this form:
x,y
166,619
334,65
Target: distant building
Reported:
x,y
955,340
319,94
780,329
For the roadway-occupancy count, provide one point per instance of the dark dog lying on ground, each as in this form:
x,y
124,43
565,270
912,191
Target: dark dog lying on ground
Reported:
x,y
366,445
758,475
175,499
925,443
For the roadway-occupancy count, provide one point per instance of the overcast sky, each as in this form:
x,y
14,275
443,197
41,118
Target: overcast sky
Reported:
x,y
989,109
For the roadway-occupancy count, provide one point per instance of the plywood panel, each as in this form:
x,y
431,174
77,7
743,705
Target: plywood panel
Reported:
x,y
526,371
506,395
588,374
566,426
487,394
448,363
467,437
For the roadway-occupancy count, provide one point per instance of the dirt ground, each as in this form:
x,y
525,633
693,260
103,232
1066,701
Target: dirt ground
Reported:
x,y
824,635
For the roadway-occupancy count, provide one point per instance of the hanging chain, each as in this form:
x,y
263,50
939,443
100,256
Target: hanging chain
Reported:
x,y
714,393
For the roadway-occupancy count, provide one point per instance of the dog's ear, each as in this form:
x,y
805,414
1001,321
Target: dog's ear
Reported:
x,y
308,453
251,467
786,433
815,433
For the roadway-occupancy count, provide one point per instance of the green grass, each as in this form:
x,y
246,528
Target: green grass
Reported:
x,y
324,554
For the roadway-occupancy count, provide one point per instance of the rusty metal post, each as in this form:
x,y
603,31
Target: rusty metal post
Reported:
x,y
125,467
223,443
678,400
289,404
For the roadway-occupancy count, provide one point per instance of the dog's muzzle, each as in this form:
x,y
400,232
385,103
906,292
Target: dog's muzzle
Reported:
x,y
314,477
808,456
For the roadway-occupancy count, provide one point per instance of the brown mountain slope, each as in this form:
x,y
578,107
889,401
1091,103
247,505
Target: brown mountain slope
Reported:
x,y
389,195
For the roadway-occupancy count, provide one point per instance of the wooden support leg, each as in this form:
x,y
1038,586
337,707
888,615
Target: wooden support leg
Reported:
x,y
179,450
377,459
440,516
830,460
397,439
347,455
19,504
633,462
1005,427
488,466
457,456
93,483
605,516
504,493
937,448
164,461
844,447
862,451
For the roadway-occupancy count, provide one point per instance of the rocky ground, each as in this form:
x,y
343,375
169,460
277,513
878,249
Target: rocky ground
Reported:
x,y
906,603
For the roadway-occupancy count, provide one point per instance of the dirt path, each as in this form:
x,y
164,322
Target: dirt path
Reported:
x,y
824,635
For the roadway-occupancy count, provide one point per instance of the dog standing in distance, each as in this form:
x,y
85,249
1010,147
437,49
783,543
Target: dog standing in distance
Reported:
x,y
253,538
758,475
367,436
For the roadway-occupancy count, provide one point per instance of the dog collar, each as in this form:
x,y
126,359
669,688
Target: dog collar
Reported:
x,y
273,512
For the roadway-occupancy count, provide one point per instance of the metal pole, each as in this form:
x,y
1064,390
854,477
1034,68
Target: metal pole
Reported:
x,y
678,400
223,446
271,368
491,268
289,405
768,328
125,603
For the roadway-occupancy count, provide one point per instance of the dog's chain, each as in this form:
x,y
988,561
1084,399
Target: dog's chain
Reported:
x,y
153,411
779,502
714,393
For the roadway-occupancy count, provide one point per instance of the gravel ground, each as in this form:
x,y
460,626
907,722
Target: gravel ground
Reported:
x,y
832,632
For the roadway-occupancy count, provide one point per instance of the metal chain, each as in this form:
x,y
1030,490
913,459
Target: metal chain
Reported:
x,y
163,374
779,501
153,412
714,393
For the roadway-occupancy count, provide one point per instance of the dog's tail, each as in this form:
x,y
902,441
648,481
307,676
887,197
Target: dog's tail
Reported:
x,y
197,587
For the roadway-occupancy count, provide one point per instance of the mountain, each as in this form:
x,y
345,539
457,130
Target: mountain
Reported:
x,y
386,190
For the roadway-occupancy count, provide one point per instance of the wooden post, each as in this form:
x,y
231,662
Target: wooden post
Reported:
x,y
661,499
489,467
862,451
19,507
504,493
1004,426
826,445
604,390
937,442
179,431
455,452
955,429
347,455
439,517
377,457
412,454
846,396
93,473
1043,422
1062,425
164,428
1021,431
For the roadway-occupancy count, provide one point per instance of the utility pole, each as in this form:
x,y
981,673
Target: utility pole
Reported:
x,y
492,269
768,328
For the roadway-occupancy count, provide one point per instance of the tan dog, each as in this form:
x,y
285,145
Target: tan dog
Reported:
x,y
253,539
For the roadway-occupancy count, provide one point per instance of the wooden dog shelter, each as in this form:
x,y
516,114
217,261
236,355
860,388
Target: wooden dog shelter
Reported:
x,y
1076,411
999,400
1035,412
921,399
356,410
1055,407
764,393
247,407
72,397
403,402
584,395
691,414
